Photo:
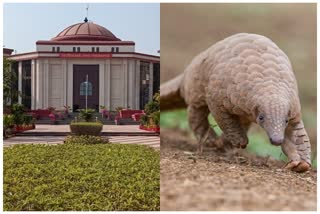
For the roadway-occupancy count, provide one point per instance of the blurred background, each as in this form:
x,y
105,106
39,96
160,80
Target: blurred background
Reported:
x,y
188,29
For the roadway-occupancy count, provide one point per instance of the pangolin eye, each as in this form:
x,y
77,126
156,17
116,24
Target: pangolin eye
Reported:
x,y
287,121
261,117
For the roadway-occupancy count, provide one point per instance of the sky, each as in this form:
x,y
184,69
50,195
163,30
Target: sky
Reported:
x,y
25,23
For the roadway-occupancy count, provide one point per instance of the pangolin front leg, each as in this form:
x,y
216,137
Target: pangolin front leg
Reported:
x,y
234,130
198,120
297,148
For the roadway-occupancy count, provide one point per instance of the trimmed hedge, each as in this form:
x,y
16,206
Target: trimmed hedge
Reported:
x,y
85,139
86,128
81,177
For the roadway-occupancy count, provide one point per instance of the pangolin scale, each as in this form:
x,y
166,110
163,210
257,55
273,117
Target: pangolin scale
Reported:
x,y
242,79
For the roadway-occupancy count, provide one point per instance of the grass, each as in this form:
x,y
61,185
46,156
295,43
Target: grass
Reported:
x,y
81,177
258,141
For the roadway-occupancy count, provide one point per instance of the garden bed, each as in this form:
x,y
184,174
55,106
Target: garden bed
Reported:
x,y
22,128
81,177
151,129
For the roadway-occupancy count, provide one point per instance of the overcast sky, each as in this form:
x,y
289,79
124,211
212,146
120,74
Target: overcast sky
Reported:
x,y
24,24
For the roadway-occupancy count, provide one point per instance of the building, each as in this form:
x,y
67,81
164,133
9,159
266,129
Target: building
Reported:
x,y
55,75
7,52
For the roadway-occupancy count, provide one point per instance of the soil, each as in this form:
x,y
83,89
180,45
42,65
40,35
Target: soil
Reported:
x,y
228,181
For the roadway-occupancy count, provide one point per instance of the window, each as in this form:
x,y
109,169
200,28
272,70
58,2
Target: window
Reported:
x,y
112,49
117,49
53,49
83,89
97,48
74,49
92,49
58,49
78,49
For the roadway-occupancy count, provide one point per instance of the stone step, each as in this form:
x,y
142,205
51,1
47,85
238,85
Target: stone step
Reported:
x,y
35,133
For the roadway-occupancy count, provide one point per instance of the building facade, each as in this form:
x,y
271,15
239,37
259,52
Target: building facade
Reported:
x,y
86,62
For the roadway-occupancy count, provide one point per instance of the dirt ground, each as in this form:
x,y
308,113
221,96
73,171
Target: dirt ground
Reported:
x,y
220,181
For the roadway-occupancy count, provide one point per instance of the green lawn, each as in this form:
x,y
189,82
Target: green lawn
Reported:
x,y
81,177
258,141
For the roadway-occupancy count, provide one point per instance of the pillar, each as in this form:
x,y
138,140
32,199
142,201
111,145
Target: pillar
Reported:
x,y
150,81
20,80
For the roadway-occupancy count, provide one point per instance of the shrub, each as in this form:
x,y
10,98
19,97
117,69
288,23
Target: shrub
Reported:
x,y
143,119
17,112
27,119
86,128
75,177
151,106
86,114
8,120
156,118
86,139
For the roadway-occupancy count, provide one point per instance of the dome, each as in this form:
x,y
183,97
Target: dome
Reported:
x,y
86,31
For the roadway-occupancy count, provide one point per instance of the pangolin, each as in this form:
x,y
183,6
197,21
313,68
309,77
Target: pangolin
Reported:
x,y
243,79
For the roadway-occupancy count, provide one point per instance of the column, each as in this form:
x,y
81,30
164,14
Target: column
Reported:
x,y
137,71
101,84
39,85
65,83
33,84
46,83
108,84
125,78
150,81
70,85
131,84
20,81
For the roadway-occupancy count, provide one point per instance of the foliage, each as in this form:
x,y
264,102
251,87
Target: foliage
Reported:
x,y
152,111
156,118
102,107
86,139
86,114
143,119
9,79
75,177
67,109
8,120
119,108
151,106
17,111
86,128
156,97
27,119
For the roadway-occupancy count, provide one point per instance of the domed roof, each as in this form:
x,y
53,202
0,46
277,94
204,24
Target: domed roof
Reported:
x,y
86,31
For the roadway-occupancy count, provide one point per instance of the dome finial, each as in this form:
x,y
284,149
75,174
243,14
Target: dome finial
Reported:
x,y
87,8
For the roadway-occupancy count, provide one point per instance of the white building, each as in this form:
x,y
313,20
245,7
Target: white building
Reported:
x,y
55,74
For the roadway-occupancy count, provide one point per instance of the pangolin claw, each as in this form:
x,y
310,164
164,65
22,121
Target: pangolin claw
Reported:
x,y
298,166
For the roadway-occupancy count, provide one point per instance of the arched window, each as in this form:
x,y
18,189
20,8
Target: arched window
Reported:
x,y
83,89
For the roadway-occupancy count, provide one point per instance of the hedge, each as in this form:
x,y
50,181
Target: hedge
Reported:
x,y
86,139
86,128
76,177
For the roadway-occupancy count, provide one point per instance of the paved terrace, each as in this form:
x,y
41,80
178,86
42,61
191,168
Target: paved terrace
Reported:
x,y
152,141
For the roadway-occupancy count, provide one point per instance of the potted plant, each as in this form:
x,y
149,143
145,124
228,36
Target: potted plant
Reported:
x,y
67,109
104,111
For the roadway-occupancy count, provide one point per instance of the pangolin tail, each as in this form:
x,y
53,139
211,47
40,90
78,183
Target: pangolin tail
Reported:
x,y
170,96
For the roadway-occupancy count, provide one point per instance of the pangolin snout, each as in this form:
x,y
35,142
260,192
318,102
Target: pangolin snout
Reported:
x,y
277,141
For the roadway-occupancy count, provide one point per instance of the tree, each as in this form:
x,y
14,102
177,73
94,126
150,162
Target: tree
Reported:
x,y
9,79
